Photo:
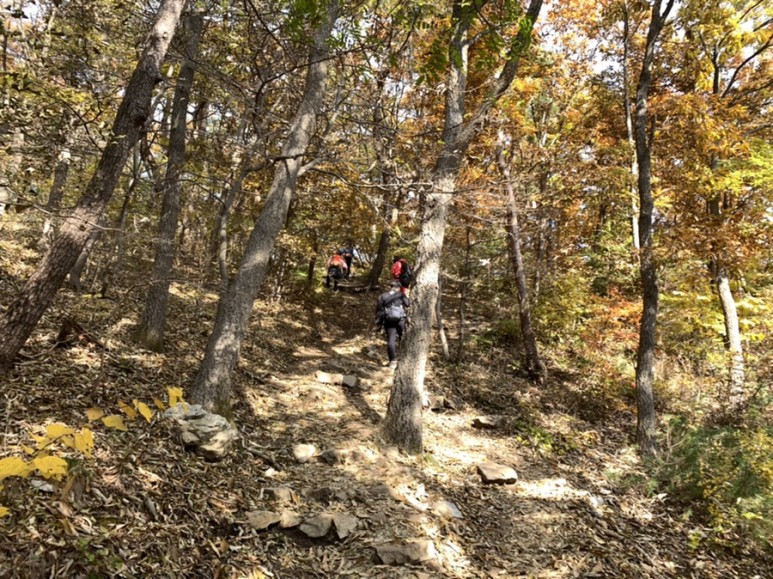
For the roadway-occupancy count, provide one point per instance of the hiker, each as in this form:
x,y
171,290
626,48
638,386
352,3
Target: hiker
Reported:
x,y
401,272
336,269
392,315
348,254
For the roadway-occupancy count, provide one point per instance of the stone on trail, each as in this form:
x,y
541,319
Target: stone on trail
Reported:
x,y
304,452
334,456
317,526
347,380
211,435
492,473
262,520
489,421
289,519
446,509
416,551
344,525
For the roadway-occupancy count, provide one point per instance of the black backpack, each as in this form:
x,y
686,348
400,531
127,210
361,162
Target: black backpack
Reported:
x,y
406,274
394,310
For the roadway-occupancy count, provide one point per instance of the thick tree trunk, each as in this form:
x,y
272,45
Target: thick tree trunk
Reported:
x,y
212,385
23,314
646,424
534,365
150,333
402,424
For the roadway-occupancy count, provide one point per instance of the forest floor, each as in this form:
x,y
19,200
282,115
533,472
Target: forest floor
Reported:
x,y
141,506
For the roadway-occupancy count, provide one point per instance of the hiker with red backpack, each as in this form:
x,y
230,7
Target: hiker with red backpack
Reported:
x,y
336,269
401,272
392,316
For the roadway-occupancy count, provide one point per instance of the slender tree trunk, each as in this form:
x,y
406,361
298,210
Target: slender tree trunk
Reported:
x,y
55,194
21,317
646,424
212,385
403,422
629,129
152,325
8,173
118,251
464,286
441,330
737,393
76,271
534,365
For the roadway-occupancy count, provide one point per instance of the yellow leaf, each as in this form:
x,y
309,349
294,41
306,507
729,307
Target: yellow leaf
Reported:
x,y
128,410
67,441
94,414
27,450
13,466
175,396
57,430
159,404
115,421
4,512
145,410
84,441
42,441
51,466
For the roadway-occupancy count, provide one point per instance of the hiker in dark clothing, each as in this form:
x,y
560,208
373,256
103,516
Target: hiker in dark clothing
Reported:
x,y
348,254
392,314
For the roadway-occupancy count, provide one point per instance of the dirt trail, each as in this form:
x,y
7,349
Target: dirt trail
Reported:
x,y
142,506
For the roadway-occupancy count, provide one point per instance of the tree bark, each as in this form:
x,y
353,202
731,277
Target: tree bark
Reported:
x,y
403,424
212,385
152,325
646,423
534,365
23,314
629,130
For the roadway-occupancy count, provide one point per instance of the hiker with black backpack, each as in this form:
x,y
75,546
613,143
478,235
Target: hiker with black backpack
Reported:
x,y
392,315
401,272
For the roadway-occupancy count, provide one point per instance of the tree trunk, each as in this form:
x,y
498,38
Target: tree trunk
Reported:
x,y
441,330
150,333
464,286
23,314
646,424
629,129
76,271
737,393
212,385
8,173
402,424
534,365
61,170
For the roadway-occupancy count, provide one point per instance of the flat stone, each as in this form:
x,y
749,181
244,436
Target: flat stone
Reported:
x,y
321,494
350,381
317,526
384,491
344,524
492,473
261,520
328,378
446,509
304,452
417,551
489,422
289,519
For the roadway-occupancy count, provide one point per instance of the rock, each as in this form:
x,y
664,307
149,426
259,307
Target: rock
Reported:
x,y
446,509
439,403
416,551
261,520
489,421
334,456
289,519
344,524
281,494
211,435
317,526
42,486
304,452
348,380
492,473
